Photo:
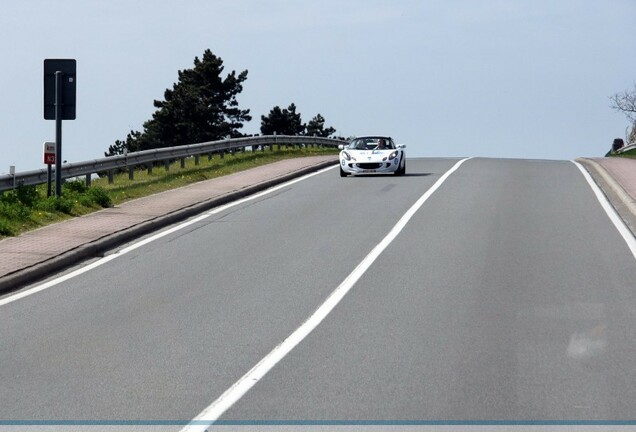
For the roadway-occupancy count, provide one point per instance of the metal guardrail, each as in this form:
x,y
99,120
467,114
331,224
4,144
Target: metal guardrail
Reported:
x,y
626,148
153,156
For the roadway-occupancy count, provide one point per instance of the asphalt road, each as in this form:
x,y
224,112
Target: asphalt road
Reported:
x,y
508,296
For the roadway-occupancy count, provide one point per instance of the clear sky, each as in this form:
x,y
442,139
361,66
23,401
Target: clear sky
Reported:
x,y
519,78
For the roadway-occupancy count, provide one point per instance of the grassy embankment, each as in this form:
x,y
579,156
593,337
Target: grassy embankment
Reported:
x,y
628,154
27,208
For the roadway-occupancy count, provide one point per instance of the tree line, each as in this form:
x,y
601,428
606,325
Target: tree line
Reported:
x,y
202,106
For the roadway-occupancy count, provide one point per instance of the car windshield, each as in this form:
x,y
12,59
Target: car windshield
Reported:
x,y
372,143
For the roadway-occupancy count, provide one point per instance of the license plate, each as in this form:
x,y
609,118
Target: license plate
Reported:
x,y
368,171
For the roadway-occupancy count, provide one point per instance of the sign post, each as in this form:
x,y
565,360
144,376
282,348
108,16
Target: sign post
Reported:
x,y
12,172
59,104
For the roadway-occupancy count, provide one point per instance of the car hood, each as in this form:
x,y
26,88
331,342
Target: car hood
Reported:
x,y
369,155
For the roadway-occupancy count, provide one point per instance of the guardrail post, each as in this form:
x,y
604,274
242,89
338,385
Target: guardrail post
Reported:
x,y
131,173
222,154
88,180
197,160
209,157
111,177
149,167
166,164
182,163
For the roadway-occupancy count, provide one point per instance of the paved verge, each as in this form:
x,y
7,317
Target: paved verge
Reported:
x,y
36,254
617,179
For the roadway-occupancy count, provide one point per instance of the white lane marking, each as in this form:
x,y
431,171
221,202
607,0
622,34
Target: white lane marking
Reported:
x,y
210,414
124,251
609,210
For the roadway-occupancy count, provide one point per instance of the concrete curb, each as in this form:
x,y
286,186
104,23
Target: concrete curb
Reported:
x,y
622,202
99,247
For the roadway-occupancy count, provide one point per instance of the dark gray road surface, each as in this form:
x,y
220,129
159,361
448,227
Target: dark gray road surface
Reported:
x,y
508,296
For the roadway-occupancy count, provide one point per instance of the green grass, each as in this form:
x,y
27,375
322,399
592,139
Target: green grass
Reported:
x,y
628,154
27,208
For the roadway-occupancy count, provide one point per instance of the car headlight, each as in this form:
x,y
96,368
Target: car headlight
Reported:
x,y
346,155
393,155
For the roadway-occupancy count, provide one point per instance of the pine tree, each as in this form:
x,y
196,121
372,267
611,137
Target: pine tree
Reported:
x,y
282,122
316,127
200,107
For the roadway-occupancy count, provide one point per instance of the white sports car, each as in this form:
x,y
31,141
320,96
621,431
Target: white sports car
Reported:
x,y
372,154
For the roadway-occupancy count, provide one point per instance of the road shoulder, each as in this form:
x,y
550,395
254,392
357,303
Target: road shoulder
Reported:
x,y
617,194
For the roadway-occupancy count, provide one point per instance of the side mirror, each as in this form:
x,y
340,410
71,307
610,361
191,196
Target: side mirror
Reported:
x,y
401,146
341,146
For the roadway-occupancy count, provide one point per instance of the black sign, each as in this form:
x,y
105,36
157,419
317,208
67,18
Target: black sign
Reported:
x,y
67,68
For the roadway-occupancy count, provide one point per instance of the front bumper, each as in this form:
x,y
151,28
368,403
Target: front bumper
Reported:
x,y
370,167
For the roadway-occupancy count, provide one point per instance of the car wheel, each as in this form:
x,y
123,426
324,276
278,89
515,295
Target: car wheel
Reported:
x,y
343,173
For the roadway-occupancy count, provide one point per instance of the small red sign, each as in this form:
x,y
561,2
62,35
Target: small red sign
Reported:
x,y
49,153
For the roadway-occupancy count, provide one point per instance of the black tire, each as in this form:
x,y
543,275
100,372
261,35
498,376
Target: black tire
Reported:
x,y
343,173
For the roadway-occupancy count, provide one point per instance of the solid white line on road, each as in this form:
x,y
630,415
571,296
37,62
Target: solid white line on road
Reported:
x,y
124,251
611,213
212,413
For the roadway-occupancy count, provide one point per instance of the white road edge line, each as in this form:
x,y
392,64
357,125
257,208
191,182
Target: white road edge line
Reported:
x,y
124,251
212,413
609,210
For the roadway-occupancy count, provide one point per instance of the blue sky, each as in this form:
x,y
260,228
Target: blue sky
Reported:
x,y
514,79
